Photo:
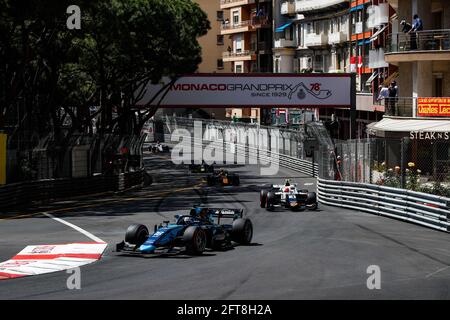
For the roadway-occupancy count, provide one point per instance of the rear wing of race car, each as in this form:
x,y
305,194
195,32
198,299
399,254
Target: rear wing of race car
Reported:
x,y
278,186
227,213
223,212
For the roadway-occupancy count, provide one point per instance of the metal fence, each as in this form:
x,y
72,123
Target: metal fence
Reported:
x,y
78,156
428,40
419,165
282,146
23,194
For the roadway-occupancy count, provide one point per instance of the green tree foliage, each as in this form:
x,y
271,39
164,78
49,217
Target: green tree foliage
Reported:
x,y
51,76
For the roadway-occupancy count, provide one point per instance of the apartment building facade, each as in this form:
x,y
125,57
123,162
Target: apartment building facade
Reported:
x,y
420,117
249,28
213,45
327,36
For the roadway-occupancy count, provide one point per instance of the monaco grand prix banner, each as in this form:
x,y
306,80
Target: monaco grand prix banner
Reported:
x,y
225,90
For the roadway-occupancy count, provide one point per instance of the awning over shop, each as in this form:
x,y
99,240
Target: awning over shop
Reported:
x,y
371,78
376,34
361,6
284,26
408,125
362,42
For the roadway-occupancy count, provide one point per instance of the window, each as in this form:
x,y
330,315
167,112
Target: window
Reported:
x,y
309,28
220,40
238,68
317,27
338,61
277,66
220,16
235,17
438,86
219,64
238,44
318,63
437,20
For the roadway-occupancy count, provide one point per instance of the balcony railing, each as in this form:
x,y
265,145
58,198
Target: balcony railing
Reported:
x,y
378,15
358,28
285,43
430,40
398,107
312,5
244,53
288,7
314,40
229,2
376,59
254,23
337,37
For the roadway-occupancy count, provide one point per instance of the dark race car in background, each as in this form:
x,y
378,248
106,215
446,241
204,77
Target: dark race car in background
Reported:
x,y
223,178
288,196
190,234
201,168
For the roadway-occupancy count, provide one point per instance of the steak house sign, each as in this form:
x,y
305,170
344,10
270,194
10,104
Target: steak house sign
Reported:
x,y
225,90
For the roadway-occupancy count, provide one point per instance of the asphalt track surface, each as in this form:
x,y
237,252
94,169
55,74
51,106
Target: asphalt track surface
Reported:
x,y
320,254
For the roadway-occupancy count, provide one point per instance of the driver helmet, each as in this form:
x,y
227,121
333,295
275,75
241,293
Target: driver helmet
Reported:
x,y
187,220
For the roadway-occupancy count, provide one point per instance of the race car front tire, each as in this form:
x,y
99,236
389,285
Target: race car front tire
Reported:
x,y
242,231
236,181
195,240
136,234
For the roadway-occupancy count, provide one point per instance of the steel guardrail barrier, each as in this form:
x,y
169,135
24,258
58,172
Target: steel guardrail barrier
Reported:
x,y
406,205
411,206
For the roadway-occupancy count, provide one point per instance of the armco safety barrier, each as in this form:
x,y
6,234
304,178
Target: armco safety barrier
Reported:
x,y
266,156
42,191
416,207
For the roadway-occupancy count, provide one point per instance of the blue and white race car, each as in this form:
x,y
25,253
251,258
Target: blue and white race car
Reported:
x,y
191,233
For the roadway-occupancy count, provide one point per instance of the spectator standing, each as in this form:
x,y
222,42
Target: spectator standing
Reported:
x,y
406,28
416,26
392,98
383,95
383,92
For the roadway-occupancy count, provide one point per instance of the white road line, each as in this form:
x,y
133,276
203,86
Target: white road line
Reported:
x,y
437,271
308,184
86,233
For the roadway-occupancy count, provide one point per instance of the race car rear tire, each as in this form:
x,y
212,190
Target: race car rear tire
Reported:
x,y
210,181
136,234
195,240
242,231
311,201
270,198
262,198
312,198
